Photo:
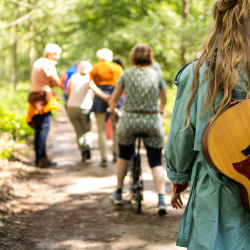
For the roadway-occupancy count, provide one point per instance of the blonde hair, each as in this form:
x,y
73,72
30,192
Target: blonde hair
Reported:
x,y
84,67
226,50
104,54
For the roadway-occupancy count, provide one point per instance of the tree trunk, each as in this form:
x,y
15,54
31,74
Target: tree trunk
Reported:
x,y
14,69
4,73
5,67
15,41
184,44
32,45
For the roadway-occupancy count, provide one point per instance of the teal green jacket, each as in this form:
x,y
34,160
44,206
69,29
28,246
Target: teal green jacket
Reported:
x,y
214,217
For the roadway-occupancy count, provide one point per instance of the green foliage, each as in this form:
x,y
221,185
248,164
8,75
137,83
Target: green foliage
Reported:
x,y
13,112
6,153
83,27
119,25
171,94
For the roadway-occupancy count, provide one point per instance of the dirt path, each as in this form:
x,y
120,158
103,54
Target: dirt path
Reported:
x,y
69,207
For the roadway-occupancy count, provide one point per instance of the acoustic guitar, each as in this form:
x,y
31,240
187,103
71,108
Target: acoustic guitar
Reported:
x,y
226,147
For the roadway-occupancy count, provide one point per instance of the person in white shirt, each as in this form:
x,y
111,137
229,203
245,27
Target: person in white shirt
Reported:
x,y
79,104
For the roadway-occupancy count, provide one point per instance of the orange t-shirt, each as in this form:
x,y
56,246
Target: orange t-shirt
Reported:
x,y
106,73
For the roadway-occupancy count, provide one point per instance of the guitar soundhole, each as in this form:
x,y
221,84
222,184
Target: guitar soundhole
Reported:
x,y
243,167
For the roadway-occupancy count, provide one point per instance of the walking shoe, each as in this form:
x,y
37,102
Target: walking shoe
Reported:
x,y
117,198
45,162
162,208
104,163
86,155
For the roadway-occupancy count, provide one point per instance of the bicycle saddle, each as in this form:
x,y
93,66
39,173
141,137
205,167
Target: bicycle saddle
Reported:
x,y
141,135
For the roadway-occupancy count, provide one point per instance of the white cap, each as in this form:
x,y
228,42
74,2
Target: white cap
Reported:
x,y
104,54
52,48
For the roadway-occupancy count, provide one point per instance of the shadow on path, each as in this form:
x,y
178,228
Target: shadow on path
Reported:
x,y
69,206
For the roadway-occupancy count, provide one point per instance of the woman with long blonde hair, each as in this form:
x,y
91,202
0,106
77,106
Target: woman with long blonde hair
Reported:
x,y
214,217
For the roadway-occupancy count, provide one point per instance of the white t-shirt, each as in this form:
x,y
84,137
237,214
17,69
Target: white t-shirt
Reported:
x,y
80,94
41,71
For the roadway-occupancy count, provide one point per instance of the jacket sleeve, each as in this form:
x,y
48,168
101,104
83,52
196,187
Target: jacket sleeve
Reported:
x,y
179,152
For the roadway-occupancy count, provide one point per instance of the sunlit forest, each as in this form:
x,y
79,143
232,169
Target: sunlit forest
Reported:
x,y
68,205
174,29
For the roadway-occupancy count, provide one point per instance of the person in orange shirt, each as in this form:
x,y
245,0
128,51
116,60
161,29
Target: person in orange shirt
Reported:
x,y
42,100
105,75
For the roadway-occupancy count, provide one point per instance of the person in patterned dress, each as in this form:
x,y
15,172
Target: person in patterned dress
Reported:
x,y
143,86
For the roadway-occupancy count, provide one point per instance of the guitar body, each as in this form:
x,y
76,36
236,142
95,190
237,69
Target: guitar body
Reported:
x,y
226,147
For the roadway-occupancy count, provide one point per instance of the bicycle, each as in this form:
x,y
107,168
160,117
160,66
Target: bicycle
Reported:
x,y
136,182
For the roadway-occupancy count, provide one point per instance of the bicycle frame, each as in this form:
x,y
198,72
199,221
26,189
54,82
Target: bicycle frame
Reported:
x,y
136,178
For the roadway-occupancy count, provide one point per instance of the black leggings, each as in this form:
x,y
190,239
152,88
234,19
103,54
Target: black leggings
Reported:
x,y
154,154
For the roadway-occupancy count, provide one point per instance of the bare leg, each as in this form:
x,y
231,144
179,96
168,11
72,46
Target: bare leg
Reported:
x,y
121,171
159,179
102,138
114,122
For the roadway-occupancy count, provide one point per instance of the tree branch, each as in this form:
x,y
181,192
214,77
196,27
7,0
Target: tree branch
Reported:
x,y
19,20
21,3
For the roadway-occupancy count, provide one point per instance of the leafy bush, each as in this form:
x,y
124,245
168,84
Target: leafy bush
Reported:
x,y
6,153
13,111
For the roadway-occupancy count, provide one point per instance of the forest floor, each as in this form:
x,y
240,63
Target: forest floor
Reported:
x,y
68,207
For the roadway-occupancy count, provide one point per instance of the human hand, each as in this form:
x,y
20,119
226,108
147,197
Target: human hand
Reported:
x,y
106,98
112,111
176,201
161,108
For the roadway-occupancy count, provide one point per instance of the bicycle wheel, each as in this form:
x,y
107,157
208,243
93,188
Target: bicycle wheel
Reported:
x,y
138,201
133,177
138,184
136,168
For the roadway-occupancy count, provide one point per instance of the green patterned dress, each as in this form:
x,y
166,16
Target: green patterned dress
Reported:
x,y
141,86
